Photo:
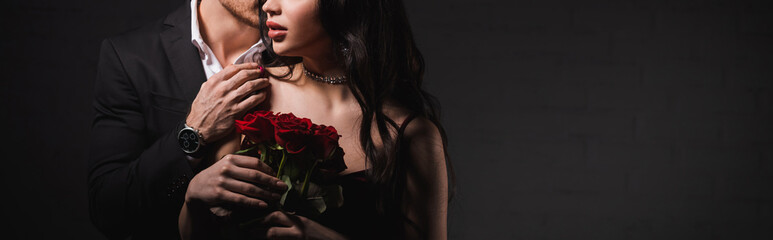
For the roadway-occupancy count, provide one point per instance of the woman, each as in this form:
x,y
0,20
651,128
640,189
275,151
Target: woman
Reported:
x,y
359,71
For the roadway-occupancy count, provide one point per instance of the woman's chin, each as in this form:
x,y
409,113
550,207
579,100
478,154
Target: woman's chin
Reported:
x,y
279,49
284,52
286,49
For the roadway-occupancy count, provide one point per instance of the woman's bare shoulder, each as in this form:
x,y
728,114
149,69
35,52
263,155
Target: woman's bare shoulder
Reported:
x,y
418,127
396,113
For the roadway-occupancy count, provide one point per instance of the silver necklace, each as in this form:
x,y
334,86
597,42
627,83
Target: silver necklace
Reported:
x,y
324,79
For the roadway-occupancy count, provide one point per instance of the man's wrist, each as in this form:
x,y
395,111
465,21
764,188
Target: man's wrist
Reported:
x,y
194,123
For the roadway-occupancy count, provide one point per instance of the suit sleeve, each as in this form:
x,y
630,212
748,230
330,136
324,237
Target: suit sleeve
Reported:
x,y
132,176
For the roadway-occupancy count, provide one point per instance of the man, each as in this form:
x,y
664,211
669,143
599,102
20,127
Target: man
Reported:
x,y
163,100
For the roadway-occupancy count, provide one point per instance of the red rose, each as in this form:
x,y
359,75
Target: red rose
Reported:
x,y
325,140
335,164
257,126
292,133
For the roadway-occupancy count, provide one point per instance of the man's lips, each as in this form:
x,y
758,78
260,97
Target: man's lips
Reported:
x,y
276,31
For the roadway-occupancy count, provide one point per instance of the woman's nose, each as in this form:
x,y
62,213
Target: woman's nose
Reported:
x,y
271,7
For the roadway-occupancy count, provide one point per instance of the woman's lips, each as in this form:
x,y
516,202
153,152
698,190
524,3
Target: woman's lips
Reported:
x,y
276,31
277,34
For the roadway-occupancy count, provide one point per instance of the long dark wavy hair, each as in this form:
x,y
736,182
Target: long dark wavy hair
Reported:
x,y
383,64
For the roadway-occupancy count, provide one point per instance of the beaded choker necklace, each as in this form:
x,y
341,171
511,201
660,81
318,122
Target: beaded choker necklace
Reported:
x,y
324,79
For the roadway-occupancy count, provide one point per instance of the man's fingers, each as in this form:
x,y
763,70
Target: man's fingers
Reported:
x,y
247,172
249,190
231,70
244,75
250,102
250,87
254,176
241,200
248,162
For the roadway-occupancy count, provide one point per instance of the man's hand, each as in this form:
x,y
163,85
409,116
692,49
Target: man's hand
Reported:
x,y
235,180
224,97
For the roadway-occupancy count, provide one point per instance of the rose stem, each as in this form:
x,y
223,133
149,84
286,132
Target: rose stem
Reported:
x,y
305,186
262,149
281,164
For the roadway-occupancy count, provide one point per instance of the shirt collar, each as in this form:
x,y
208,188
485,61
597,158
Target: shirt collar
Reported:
x,y
195,32
252,54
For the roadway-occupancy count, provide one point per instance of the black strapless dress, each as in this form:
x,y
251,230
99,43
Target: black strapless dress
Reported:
x,y
358,218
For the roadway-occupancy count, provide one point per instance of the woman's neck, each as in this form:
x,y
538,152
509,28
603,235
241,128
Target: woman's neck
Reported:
x,y
224,33
325,65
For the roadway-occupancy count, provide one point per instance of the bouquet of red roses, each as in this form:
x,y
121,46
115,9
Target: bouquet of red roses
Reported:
x,y
306,156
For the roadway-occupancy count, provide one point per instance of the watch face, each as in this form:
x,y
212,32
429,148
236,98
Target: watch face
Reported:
x,y
189,141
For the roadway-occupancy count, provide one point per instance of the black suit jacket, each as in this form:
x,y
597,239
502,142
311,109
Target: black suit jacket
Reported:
x,y
146,81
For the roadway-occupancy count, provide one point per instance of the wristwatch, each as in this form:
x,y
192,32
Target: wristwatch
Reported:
x,y
191,141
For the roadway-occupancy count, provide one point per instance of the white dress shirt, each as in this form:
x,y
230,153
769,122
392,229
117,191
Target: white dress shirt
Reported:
x,y
208,59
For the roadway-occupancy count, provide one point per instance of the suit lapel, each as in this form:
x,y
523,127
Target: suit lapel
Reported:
x,y
181,53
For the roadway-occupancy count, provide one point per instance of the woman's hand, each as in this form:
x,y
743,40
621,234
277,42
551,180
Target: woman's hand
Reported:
x,y
283,225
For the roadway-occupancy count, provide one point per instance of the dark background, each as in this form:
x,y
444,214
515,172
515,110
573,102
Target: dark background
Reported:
x,y
567,119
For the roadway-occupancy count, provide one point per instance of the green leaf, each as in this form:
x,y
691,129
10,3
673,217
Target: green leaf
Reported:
x,y
322,198
292,170
289,183
318,203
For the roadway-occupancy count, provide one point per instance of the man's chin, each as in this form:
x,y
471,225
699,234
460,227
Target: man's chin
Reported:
x,y
249,21
246,17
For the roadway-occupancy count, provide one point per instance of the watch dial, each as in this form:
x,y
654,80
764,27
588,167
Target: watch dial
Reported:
x,y
189,141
